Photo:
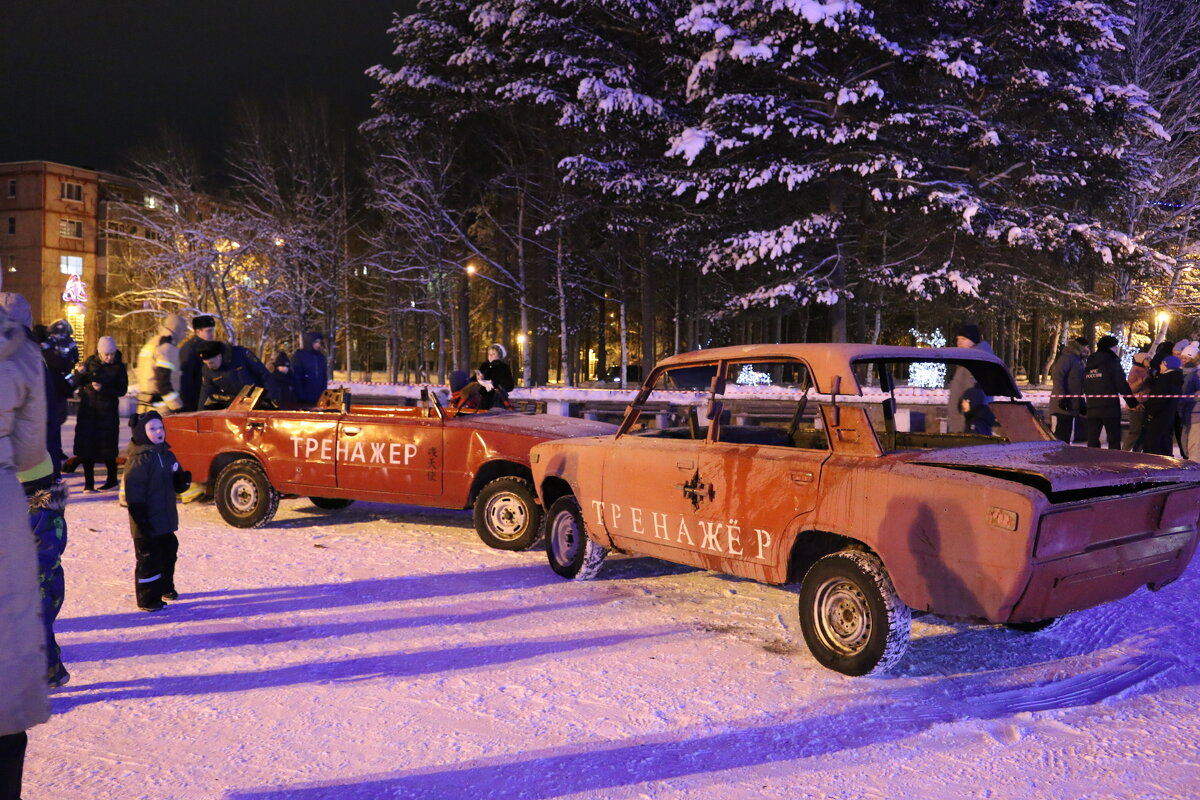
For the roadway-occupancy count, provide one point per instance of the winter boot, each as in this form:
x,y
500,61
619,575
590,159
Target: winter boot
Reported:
x,y
149,594
58,677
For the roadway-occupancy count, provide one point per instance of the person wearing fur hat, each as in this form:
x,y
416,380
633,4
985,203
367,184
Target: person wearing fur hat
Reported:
x,y
24,701
191,367
103,381
158,368
968,336
1103,381
1066,398
152,479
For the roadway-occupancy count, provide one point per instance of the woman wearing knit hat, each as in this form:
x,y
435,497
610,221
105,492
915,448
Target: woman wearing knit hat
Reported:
x,y
102,381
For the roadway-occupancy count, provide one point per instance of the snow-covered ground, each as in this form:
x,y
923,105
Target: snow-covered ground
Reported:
x,y
385,652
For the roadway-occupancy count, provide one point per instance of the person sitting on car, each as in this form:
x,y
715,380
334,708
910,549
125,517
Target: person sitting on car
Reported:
x,y
227,370
493,381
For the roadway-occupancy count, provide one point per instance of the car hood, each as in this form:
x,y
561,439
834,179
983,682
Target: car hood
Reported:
x,y
1062,468
545,426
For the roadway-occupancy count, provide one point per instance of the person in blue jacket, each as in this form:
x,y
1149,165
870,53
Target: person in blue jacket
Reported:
x,y
310,371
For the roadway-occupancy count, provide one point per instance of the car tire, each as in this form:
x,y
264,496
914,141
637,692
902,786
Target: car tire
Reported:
x,y
244,496
572,553
1035,626
507,516
853,621
330,503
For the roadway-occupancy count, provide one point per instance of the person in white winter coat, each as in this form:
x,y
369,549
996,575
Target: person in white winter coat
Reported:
x,y
24,702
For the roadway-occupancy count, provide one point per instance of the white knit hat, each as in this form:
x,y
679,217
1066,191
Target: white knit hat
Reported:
x,y
1182,343
1190,352
107,344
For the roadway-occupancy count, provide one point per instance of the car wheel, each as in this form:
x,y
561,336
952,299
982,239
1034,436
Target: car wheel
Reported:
x,y
330,503
852,619
507,516
244,496
571,552
1034,626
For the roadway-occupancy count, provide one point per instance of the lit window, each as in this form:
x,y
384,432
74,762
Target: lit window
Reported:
x,y
150,201
70,228
71,265
71,191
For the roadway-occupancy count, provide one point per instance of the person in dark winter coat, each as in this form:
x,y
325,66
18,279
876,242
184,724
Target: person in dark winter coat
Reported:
x,y
1066,396
493,381
977,415
103,381
310,371
46,499
191,367
152,478
279,382
227,370
1103,383
61,355
24,702
1162,408
969,336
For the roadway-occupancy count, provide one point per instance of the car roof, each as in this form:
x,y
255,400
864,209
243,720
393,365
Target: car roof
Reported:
x,y
832,364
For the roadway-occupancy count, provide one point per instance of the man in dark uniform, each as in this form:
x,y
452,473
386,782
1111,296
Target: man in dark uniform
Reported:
x,y
227,370
191,368
1103,383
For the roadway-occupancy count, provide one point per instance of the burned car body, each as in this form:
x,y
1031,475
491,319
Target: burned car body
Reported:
x,y
250,454
795,468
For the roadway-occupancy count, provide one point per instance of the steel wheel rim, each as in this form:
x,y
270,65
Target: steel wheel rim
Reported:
x,y
506,516
243,496
564,539
842,616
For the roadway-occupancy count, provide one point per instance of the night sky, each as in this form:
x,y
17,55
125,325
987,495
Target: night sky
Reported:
x,y
84,82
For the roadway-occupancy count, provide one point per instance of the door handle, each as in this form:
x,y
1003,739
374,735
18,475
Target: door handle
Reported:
x,y
802,477
351,430
685,464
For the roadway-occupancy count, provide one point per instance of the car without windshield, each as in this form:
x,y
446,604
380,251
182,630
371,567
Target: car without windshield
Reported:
x,y
251,453
793,462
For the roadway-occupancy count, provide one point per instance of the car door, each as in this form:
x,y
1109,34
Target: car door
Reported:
x,y
762,466
297,447
391,452
652,486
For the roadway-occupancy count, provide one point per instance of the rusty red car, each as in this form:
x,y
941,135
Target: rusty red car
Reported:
x,y
251,454
798,465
